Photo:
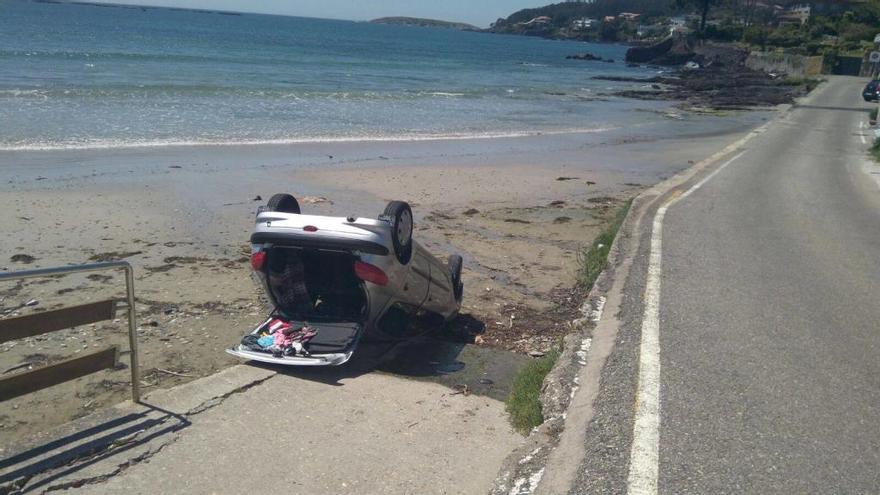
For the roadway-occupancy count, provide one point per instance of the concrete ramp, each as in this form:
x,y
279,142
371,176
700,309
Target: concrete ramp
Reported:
x,y
248,429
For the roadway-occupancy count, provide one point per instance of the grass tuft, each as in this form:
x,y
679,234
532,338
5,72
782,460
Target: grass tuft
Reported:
x,y
875,149
807,82
593,260
524,401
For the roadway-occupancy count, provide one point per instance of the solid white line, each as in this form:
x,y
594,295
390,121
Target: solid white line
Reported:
x,y
644,464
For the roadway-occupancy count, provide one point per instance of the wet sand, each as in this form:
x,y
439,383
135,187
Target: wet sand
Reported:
x,y
519,210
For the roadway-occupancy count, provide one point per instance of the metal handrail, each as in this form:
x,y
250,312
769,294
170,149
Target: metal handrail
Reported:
x,y
129,289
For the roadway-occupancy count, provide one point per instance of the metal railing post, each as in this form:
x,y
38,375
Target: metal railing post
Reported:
x,y
129,288
132,336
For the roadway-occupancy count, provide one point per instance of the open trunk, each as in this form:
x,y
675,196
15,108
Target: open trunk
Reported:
x,y
312,290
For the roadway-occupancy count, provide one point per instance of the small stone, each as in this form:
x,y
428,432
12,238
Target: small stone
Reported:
x,y
22,258
536,353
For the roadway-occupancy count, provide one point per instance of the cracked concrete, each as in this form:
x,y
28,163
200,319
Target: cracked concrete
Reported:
x,y
249,429
99,447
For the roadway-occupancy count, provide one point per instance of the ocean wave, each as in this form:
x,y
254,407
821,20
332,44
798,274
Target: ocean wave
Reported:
x,y
443,93
24,92
124,91
164,143
122,56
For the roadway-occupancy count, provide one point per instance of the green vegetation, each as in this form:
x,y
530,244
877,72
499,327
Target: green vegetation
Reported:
x,y
524,401
834,27
562,15
702,6
594,259
807,82
875,149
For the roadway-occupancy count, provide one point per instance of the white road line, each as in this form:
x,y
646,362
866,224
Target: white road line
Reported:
x,y
644,464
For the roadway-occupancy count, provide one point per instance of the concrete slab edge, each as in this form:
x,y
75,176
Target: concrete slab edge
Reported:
x,y
33,461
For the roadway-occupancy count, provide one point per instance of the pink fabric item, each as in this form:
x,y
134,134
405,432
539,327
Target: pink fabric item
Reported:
x,y
278,328
277,324
281,340
284,335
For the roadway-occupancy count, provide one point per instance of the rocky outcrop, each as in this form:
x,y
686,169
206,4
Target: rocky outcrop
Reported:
x,y
674,50
589,56
722,81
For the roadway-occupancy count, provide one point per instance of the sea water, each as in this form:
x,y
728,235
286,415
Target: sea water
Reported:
x,y
82,76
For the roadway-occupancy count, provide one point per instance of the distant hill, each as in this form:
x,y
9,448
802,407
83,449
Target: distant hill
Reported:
x,y
415,21
563,13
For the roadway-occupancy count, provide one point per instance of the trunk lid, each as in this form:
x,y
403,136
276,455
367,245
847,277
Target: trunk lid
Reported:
x,y
332,345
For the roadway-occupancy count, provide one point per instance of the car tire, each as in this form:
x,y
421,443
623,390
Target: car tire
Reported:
x,y
283,203
455,264
400,215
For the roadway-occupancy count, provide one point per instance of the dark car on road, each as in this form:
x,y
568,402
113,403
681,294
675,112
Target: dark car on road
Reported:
x,y
871,91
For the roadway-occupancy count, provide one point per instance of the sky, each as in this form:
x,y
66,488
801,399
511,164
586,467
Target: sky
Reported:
x,y
478,12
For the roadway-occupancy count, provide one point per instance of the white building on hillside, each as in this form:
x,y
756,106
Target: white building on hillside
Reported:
x,y
799,15
583,24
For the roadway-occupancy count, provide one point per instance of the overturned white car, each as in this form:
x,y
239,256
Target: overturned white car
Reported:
x,y
332,279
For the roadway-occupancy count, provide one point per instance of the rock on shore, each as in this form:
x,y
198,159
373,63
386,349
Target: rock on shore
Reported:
x,y
716,77
588,56
674,50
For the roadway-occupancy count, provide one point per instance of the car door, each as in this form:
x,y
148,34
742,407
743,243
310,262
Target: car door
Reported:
x,y
418,279
440,298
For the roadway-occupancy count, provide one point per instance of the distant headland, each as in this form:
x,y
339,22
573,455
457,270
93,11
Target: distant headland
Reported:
x,y
416,21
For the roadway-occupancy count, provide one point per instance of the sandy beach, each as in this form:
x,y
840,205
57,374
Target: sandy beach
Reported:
x,y
518,209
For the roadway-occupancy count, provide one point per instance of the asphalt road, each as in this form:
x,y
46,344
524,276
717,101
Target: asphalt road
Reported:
x,y
769,320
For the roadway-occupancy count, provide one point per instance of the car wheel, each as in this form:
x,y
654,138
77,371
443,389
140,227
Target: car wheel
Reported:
x,y
454,265
400,215
284,203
